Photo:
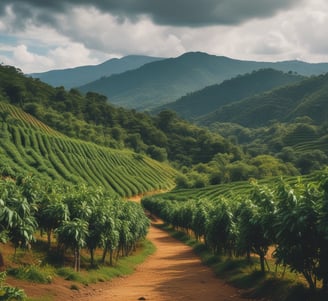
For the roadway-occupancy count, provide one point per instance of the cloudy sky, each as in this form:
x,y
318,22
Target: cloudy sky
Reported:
x,y
40,35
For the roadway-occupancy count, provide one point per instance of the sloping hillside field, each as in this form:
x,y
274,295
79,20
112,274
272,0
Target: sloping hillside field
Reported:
x,y
30,147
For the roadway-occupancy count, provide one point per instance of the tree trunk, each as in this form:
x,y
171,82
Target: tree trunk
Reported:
x,y
310,281
78,260
262,262
325,284
75,259
267,264
49,238
248,253
92,259
104,254
2,262
111,253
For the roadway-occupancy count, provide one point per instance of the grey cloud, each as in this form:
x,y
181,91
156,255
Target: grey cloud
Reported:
x,y
191,13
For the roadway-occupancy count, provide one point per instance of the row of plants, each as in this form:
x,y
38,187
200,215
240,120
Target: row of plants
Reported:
x,y
229,190
76,216
292,218
31,148
7,110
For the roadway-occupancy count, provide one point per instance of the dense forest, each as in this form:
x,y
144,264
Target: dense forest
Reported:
x,y
284,104
164,81
202,102
230,152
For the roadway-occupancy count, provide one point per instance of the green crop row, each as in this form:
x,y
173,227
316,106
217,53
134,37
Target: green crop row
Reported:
x,y
33,148
289,216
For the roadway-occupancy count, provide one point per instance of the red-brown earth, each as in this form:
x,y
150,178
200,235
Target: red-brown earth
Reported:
x,y
173,272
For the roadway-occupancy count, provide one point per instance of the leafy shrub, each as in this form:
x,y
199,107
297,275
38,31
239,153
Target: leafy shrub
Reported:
x,y
69,274
33,273
9,293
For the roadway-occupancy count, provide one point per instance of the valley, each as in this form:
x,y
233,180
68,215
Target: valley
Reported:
x,y
236,152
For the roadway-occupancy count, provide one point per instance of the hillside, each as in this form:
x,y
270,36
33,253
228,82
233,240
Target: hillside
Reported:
x,y
27,146
164,81
207,100
307,98
225,154
91,117
74,77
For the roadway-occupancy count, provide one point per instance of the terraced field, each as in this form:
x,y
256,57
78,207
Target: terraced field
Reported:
x,y
228,190
30,147
314,144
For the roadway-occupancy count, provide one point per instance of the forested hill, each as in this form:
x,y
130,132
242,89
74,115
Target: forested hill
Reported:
x,y
165,81
29,147
204,157
92,118
306,98
74,77
212,97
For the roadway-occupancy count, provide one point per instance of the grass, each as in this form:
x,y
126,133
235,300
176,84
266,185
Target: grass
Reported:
x,y
33,273
246,275
26,269
124,266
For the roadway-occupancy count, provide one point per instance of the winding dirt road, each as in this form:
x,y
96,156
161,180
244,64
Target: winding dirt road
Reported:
x,y
173,272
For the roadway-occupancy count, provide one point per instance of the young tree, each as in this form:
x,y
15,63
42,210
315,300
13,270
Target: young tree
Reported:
x,y
323,230
96,228
73,234
297,233
221,229
16,216
52,215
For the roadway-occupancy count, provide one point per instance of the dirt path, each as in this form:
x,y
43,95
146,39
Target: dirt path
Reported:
x,y
173,272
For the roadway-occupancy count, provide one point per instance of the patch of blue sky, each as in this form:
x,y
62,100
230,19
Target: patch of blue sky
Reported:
x,y
38,49
7,39
7,44
34,46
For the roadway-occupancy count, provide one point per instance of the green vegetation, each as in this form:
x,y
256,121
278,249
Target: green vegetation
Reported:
x,y
80,217
75,77
33,273
65,158
209,99
165,81
290,217
236,153
8,293
92,118
30,147
275,285
305,98
301,144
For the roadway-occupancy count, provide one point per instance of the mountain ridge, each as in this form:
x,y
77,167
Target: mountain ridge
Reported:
x,y
73,77
204,101
305,98
160,82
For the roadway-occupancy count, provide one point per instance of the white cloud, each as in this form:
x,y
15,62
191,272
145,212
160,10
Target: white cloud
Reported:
x,y
73,54
86,35
106,33
67,56
29,61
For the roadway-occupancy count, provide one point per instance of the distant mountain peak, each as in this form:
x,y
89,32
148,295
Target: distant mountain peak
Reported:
x,y
160,82
78,76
